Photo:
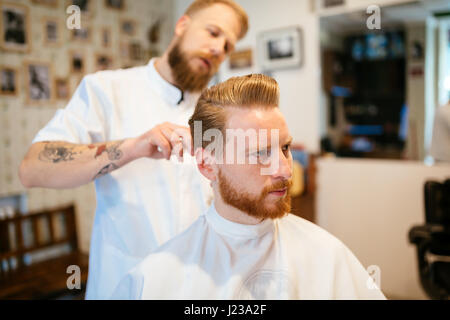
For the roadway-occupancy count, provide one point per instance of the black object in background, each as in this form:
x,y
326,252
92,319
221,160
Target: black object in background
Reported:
x,y
433,241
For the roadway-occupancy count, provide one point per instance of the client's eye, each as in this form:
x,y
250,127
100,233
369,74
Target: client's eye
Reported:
x,y
286,147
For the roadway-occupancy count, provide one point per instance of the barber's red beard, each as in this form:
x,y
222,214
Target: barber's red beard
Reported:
x,y
185,77
256,206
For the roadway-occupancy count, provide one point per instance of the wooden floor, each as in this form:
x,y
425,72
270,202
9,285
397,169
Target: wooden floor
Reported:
x,y
45,280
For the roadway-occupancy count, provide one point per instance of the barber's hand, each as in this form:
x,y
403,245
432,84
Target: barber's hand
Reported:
x,y
164,140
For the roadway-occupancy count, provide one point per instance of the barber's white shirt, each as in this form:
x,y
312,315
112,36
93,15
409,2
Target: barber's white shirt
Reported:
x,y
288,258
147,202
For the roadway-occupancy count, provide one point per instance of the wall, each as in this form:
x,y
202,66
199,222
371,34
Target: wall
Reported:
x,y
20,121
371,205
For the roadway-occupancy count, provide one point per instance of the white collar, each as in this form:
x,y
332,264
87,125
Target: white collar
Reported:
x,y
168,91
237,230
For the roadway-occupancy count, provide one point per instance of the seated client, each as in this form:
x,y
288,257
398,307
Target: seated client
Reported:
x,y
247,245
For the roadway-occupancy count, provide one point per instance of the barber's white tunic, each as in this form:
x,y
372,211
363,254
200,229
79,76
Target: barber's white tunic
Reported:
x,y
288,258
147,202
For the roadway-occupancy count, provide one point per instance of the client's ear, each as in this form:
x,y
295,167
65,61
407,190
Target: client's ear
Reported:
x,y
206,163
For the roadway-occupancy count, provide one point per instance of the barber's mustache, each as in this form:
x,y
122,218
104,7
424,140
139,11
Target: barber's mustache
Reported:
x,y
279,185
213,60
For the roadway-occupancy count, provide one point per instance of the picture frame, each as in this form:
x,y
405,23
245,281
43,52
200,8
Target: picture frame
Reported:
x,y
62,88
103,62
327,4
87,7
77,62
39,82
241,59
280,48
14,27
136,52
115,4
128,27
9,84
52,31
82,35
105,37
154,31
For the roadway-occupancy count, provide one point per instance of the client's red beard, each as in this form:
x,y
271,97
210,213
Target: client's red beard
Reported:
x,y
255,206
186,78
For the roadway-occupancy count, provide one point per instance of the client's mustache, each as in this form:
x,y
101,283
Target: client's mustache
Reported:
x,y
279,185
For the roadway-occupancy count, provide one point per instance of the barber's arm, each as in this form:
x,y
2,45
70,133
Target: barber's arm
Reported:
x,y
58,164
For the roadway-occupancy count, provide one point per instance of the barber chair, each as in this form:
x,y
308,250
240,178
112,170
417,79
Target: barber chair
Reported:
x,y
433,241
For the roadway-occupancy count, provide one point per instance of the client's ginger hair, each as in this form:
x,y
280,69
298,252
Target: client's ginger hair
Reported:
x,y
198,5
251,91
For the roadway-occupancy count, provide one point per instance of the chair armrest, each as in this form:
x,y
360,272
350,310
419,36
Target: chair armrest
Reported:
x,y
425,232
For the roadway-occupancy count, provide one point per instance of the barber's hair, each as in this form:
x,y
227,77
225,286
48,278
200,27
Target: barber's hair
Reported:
x,y
250,91
198,5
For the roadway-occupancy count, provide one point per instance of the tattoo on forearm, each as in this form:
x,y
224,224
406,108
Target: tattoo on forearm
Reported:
x,y
113,151
57,153
113,154
105,170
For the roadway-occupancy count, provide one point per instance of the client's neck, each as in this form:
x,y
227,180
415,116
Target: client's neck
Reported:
x,y
232,214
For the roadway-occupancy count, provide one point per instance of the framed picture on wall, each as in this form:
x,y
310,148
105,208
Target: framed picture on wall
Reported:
x,y
115,4
240,59
82,35
77,62
86,6
128,27
103,62
38,82
8,81
105,34
330,3
280,48
14,27
48,3
51,31
136,52
62,88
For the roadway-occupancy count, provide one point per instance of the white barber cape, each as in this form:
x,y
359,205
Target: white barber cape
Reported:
x,y
147,202
288,258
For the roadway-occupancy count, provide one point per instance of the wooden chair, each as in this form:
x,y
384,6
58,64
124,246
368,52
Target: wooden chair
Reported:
x,y
35,251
